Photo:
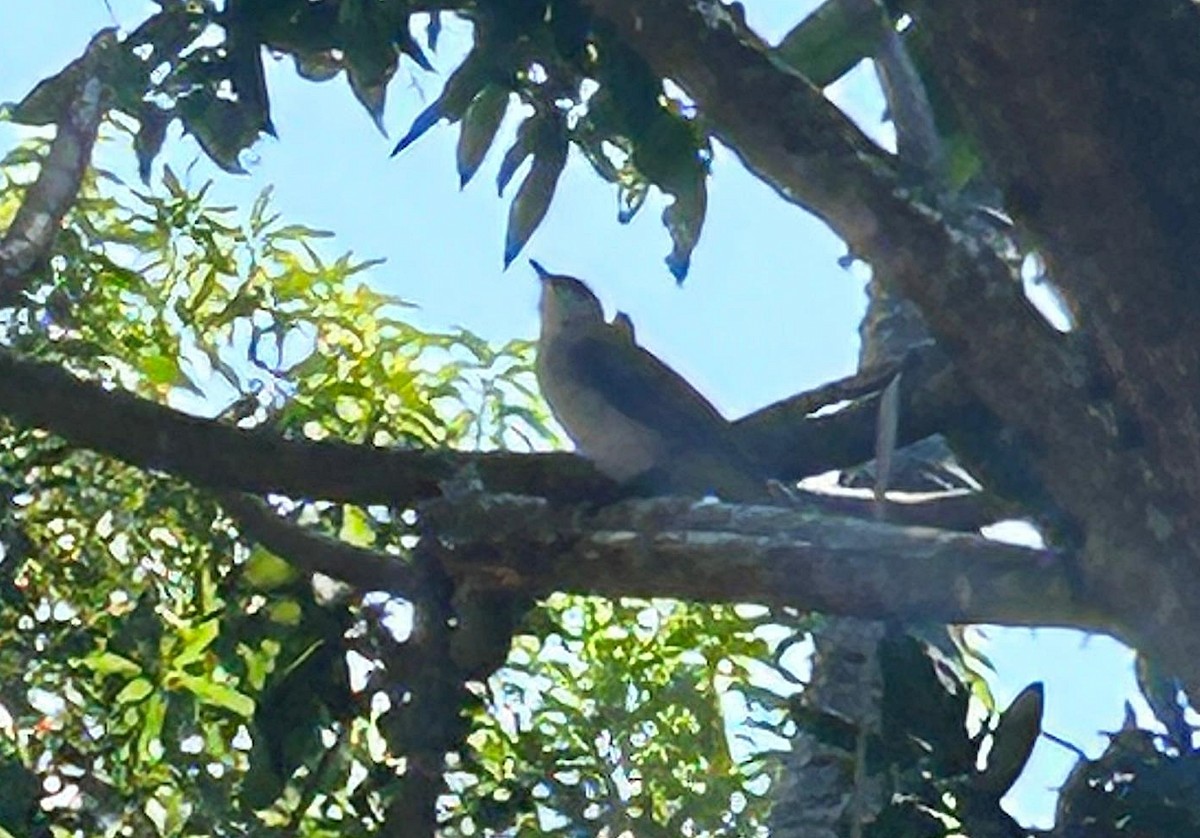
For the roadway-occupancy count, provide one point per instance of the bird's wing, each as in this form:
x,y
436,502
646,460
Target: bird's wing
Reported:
x,y
640,386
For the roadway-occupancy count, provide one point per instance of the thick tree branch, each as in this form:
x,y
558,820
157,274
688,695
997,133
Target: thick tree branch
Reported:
x,y
673,547
1034,380
218,456
794,139
788,134
28,239
1086,114
721,553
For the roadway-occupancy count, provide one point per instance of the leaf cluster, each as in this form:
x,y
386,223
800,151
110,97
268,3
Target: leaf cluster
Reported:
x,y
579,85
576,84
633,700
158,673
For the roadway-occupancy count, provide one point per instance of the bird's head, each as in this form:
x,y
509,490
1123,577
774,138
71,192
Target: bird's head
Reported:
x,y
566,303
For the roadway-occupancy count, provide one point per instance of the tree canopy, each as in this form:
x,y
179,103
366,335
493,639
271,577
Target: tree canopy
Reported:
x,y
362,595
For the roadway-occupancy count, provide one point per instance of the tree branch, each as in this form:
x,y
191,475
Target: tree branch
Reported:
x,y
313,552
218,456
791,137
29,237
715,552
795,444
1037,382
1087,134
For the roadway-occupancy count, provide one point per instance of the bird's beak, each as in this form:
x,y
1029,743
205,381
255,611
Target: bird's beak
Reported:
x,y
542,273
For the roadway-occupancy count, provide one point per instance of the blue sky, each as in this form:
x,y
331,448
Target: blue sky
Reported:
x,y
766,311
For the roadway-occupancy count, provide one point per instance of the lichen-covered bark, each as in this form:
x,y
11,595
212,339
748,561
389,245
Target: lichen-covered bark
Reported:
x,y
716,552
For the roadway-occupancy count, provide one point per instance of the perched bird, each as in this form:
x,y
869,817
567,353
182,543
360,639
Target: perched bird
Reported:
x,y
633,416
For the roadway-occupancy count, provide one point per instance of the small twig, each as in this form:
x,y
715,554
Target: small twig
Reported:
x,y
314,552
312,786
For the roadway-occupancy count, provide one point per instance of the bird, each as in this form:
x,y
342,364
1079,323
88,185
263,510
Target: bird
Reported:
x,y
636,419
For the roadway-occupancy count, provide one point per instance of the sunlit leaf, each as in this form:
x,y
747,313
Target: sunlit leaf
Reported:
x,y
266,571
286,612
356,527
218,695
153,714
196,640
134,691
110,663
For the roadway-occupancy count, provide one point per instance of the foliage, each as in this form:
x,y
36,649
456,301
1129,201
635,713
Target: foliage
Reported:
x,y
1140,785
160,674
578,86
630,698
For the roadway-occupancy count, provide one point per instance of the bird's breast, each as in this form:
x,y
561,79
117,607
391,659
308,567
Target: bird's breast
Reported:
x,y
618,446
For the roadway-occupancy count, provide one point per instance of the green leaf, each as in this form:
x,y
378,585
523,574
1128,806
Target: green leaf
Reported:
x,y
684,219
154,713
134,691
357,528
370,93
317,66
224,128
196,640
161,370
286,612
1013,741
153,122
266,571
259,662
479,126
460,90
110,663
532,200
210,692
521,148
